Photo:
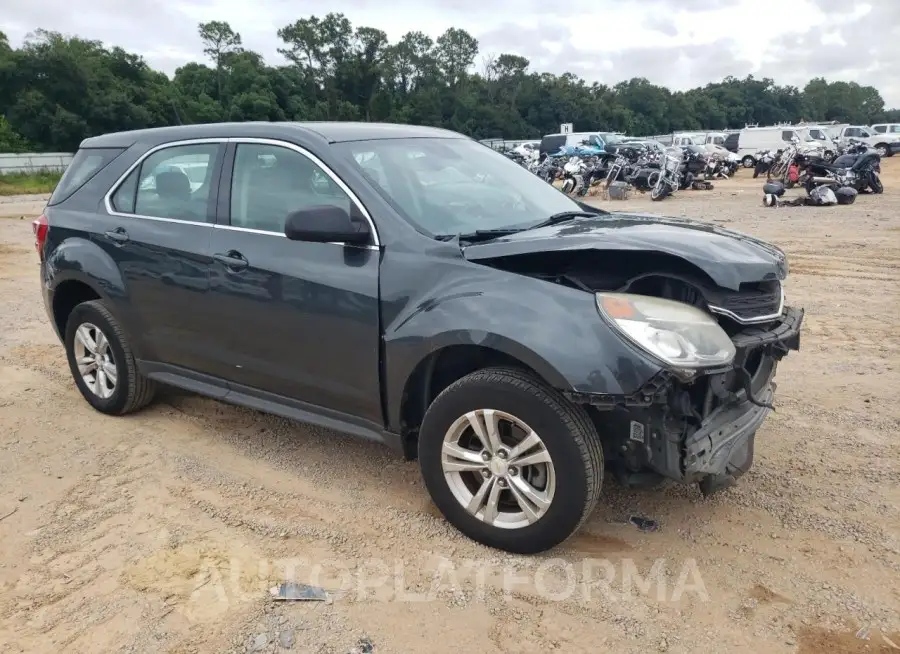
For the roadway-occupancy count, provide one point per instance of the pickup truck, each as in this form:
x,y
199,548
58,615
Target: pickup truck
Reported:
x,y
886,144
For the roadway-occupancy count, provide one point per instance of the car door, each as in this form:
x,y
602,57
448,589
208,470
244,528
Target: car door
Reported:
x,y
295,319
161,214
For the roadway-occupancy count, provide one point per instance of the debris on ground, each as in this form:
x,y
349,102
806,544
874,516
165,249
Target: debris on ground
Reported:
x,y
363,646
286,638
259,643
300,592
644,524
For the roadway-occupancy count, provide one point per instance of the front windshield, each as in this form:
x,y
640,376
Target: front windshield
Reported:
x,y
454,186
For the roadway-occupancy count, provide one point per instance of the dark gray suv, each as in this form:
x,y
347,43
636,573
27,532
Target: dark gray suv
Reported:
x,y
409,285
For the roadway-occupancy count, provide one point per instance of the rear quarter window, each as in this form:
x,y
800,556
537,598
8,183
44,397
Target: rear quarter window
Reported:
x,y
552,143
86,163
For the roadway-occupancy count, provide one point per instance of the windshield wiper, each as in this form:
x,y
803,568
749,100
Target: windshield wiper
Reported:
x,y
563,217
480,234
487,234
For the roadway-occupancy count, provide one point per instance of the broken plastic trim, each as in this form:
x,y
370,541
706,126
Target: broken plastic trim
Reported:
x,y
651,392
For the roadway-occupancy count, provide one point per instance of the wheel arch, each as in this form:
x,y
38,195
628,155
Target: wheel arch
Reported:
x,y
67,295
443,366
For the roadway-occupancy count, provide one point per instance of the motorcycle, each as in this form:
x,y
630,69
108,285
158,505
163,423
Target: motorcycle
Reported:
x,y
573,175
670,178
634,165
764,161
859,169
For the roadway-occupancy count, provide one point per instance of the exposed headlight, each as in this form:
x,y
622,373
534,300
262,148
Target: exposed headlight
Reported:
x,y
679,335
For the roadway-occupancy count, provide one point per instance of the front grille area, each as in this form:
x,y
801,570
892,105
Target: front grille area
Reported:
x,y
753,302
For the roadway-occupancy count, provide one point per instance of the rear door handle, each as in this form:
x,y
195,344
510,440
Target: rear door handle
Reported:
x,y
117,235
233,260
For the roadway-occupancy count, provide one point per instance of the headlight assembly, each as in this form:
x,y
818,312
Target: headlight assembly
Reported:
x,y
677,334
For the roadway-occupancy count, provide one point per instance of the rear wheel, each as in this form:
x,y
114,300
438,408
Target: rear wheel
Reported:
x,y
509,461
875,183
883,150
102,362
748,161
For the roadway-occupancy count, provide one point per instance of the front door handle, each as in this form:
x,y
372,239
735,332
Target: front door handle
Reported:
x,y
232,260
117,235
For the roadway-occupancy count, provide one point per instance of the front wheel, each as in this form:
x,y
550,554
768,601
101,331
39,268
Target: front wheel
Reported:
x,y
883,150
748,161
509,461
659,192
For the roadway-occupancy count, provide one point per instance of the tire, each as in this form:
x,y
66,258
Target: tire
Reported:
x,y
131,390
659,193
883,150
748,162
566,432
875,183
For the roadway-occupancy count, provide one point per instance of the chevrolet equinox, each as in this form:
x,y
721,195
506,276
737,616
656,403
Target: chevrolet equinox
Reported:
x,y
411,286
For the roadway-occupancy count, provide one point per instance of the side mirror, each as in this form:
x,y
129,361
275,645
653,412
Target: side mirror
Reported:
x,y
326,224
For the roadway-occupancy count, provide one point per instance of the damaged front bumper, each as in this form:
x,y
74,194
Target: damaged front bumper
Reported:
x,y
702,431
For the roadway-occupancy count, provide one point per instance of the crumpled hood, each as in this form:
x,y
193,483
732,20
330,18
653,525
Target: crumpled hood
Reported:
x,y
730,258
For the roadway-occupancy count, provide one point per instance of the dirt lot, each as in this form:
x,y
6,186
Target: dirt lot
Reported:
x,y
163,531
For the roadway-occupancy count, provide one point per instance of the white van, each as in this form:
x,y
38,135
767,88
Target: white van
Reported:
x,y
886,128
688,138
753,139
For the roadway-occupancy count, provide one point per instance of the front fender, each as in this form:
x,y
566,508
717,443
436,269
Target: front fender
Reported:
x,y
553,329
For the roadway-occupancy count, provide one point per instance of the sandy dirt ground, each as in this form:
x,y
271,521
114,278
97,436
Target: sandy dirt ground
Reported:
x,y
163,531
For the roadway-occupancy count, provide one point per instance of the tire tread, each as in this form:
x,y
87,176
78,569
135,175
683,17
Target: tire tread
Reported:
x,y
141,390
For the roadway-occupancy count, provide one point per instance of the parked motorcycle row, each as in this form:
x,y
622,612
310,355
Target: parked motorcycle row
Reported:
x,y
828,176
620,168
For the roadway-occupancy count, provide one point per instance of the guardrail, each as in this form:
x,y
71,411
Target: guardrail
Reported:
x,y
34,162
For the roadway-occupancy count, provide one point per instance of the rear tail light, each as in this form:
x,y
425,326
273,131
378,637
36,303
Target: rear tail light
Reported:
x,y
41,227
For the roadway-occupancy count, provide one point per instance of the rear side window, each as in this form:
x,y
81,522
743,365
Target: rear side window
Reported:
x,y
174,182
86,163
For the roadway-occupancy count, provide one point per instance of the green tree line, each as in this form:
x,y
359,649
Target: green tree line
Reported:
x,y
57,90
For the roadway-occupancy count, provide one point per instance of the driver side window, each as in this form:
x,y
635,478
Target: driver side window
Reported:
x,y
270,182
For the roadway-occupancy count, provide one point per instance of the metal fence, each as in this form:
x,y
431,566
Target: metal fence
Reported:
x,y
33,162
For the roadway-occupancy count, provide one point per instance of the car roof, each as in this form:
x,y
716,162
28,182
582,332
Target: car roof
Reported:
x,y
331,132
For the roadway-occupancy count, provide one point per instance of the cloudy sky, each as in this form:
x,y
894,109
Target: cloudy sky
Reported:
x,y
677,43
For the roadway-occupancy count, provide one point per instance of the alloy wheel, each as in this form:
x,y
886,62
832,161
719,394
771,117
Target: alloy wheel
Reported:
x,y
498,469
94,357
